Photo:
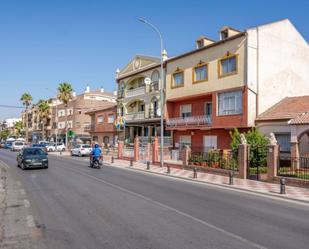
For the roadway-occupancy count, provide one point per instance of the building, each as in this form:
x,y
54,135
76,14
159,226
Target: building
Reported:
x,y
226,84
139,103
102,127
75,114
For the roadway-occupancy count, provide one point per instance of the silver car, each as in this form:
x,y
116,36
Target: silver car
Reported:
x,y
81,150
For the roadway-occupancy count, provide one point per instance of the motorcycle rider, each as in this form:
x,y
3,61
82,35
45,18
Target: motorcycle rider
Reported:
x,y
96,153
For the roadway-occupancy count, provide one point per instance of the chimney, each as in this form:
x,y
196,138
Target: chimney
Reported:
x,y
164,55
203,41
74,94
227,32
87,89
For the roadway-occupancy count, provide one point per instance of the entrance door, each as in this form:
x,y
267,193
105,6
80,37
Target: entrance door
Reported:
x,y
209,143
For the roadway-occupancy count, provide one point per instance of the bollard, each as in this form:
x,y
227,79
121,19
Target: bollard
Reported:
x,y
231,179
168,169
282,186
148,165
194,172
112,159
60,152
131,162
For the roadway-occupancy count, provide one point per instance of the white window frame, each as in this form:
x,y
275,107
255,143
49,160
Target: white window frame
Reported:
x,y
228,103
109,120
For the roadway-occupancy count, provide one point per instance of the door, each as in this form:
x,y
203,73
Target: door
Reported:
x,y
209,143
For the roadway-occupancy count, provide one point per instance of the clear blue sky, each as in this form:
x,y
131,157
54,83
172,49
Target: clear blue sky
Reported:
x,y
45,42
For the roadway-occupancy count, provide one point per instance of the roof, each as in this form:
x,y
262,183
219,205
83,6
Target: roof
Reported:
x,y
287,108
301,119
105,107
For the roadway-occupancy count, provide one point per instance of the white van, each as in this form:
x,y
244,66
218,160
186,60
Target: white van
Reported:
x,y
17,145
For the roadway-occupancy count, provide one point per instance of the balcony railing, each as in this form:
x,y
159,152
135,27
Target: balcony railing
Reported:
x,y
167,140
135,91
189,121
135,116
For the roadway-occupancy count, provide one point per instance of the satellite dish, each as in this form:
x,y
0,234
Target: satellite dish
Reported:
x,y
147,81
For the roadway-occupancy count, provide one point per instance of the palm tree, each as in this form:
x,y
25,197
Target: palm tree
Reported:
x,y
26,98
43,113
65,95
18,126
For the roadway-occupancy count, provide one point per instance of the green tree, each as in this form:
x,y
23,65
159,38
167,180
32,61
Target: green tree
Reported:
x,y
44,111
258,146
26,99
18,127
4,134
65,95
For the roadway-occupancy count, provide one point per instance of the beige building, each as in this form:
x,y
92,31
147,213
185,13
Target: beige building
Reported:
x,y
77,120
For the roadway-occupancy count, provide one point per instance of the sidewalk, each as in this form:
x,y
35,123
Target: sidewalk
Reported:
x,y
270,189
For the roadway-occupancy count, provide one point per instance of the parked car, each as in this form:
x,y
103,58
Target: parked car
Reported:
x,y
41,146
32,157
8,145
50,147
61,147
2,144
81,150
17,146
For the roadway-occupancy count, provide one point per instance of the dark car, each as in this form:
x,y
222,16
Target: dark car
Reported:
x,y
32,158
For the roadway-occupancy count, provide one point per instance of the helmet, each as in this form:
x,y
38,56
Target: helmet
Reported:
x,y
96,146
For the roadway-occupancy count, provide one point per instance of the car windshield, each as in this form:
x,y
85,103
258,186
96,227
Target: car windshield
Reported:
x,y
19,144
33,152
86,146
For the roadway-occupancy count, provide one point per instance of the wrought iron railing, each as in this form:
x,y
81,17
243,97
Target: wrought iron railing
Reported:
x,y
189,121
295,167
135,91
135,116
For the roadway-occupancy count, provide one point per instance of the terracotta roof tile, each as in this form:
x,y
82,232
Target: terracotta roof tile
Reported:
x,y
301,119
287,108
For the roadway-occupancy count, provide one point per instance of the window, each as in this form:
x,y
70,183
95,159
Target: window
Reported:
x,y
177,79
111,118
200,43
100,119
141,107
283,140
200,73
229,103
185,111
227,66
155,81
208,108
184,140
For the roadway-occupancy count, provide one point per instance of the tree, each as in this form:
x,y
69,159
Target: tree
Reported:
x,y
18,127
4,134
258,146
26,98
65,95
43,113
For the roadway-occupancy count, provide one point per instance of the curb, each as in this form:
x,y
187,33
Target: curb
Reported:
x,y
228,187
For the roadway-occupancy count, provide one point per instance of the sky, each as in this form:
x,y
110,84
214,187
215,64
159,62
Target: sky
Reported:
x,y
44,43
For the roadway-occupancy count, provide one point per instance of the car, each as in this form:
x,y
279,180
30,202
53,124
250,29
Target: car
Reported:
x,y
41,146
61,147
32,157
81,150
50,147
17,146
8,145
2,144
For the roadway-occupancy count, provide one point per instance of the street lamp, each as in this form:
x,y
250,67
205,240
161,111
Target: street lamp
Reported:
x,y
161,86
56,117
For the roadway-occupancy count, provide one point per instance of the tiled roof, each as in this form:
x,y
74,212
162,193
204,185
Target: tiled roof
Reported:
x,y
301,119
287,108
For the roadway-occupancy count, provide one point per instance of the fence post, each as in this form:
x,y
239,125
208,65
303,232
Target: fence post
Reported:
x,y
120,149
242,160
136,148
294,155
186,153
155,150
272,161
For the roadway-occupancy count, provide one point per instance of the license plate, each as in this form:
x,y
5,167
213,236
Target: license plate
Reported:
x,y
36,164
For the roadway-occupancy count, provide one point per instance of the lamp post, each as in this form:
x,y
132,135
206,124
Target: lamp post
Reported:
x,y
161,87
56,117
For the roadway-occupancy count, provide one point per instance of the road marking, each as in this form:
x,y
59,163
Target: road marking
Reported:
x,y
26,203
30,221
4,164
232,235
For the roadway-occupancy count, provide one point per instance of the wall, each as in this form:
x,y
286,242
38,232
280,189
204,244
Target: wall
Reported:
x,y
278,63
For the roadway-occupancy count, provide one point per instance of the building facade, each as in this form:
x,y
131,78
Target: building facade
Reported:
x,y
225,84
138,104
102,127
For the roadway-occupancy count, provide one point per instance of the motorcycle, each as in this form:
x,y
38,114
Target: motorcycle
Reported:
x,y
96,162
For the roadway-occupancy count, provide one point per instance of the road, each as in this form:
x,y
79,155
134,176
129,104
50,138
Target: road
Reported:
x,y
78,207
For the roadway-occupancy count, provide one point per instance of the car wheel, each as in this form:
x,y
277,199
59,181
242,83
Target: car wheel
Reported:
x,y
80,154
22,166
46,167
63,149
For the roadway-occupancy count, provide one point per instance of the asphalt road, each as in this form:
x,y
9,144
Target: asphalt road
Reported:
x,y
78,207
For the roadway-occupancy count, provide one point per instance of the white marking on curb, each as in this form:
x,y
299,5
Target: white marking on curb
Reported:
x,y
232,235
26,203
30,221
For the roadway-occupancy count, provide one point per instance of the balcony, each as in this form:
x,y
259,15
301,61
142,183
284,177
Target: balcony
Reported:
x,y
203,120
135,116
106,127
135,92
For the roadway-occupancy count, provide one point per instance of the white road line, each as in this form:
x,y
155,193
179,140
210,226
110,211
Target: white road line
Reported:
x,y
4,164
30,221
232,235
26,203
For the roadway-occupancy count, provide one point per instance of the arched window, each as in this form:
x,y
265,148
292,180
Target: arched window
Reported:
x,y
154,107
121,89
155,80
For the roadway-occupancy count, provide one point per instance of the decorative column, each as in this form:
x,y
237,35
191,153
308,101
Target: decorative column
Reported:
x,y
295,155
242,160
272,161
120,149
136,148
186,153
155,151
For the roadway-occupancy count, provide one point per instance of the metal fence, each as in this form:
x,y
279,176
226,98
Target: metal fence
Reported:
x,y
295,167
257,162
128,152
222,159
